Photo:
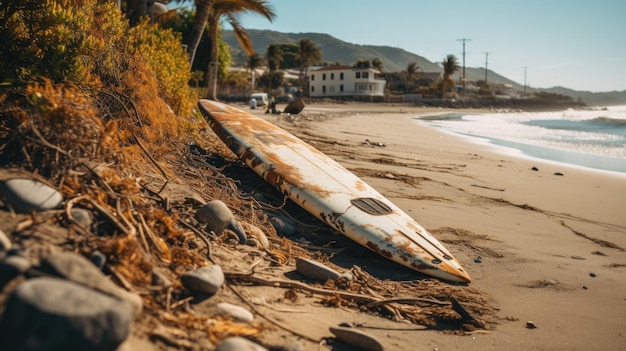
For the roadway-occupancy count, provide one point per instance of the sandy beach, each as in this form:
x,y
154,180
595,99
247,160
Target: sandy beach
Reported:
x,y
544,248
544,244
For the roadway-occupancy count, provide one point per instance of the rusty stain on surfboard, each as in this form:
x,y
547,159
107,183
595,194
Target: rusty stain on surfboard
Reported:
x,y
258,143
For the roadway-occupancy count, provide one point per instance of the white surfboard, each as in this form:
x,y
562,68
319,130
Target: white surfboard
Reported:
x,y
330,192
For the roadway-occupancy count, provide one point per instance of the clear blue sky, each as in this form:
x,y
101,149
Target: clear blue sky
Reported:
x,y
578,44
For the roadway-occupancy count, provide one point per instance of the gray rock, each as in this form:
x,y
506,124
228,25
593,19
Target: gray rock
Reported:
x,y
28,195
206,280
98,259
11,266
357,338
5,242
318,271
236,313
82,216
238,343
218,217
82,271
54,314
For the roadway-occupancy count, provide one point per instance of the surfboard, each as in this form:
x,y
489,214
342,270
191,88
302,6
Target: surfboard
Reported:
x,y
330,192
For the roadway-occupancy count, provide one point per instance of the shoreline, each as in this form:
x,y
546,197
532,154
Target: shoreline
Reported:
x,y
546,248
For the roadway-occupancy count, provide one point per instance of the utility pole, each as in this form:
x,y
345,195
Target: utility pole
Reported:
x,y
463,40
486,65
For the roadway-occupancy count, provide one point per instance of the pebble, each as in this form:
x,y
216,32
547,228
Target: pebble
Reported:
x,y
318,271
11,266
237,343
592,275
55,314
28,195
478,259
206,280
357,338
531,325
98,259
80,270
236,313
256,235
82,216
218,217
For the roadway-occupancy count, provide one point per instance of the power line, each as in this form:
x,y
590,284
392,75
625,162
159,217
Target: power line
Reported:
x,y
463,40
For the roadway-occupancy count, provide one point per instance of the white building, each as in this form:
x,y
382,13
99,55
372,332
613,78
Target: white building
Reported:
x,y
332,81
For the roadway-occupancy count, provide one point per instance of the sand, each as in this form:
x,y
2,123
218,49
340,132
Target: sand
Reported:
x,y
551,247
540,247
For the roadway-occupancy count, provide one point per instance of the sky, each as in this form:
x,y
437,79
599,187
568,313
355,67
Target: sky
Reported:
x,y
577,44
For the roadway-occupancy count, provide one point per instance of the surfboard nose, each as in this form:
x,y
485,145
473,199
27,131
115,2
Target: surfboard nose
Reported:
x,y
452,271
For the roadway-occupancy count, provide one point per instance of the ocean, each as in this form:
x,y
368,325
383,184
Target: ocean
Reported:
x,y
593,138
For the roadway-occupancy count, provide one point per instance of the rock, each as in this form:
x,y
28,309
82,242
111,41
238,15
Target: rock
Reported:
x,y
98,259
207,279
218,217
236,313
531,325
11,266
80,270
27,195
357,338
55,314
83,217
535,169
592,275
318,271
256,236
5,242
238,343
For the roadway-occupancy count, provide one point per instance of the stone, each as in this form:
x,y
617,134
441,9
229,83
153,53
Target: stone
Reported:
x,y
358,338
237,343
11,266
236,313
98,259
318,271
27,195
218,217
55,314
82,216
206,280
80,270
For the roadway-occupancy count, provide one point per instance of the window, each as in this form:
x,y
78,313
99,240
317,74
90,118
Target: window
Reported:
x,y
365,75
332,88
323,89
361,87
332,76
312,88
341,87
324,76
358,74
341,76
312,76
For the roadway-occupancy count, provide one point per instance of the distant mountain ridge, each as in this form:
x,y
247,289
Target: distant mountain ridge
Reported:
x,y
394,60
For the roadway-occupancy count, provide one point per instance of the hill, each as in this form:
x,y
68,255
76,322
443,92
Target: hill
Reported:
x,y
395,60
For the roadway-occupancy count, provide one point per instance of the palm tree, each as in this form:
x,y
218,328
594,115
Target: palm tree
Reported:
x,y
308,54
254,61
209,12
450,66
273,56
411,74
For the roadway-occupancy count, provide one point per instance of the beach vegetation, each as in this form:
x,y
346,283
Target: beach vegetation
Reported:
x,y
450,66
209,12
307,55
